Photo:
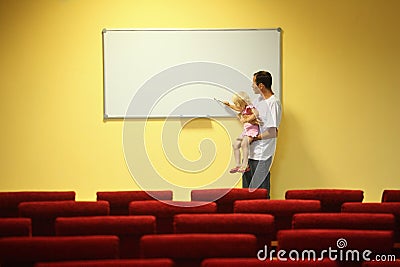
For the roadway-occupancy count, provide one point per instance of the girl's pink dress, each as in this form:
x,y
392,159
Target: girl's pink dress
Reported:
x,y
251,130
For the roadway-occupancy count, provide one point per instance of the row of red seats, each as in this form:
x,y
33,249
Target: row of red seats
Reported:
x,y
275,263
166,220
43,214
131,228
331,199
191,249
226,262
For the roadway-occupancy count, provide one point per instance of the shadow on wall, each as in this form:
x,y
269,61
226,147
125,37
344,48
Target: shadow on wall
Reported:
x,y
293,166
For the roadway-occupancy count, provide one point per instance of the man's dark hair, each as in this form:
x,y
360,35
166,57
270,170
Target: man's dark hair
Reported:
x,y
261,72
264,77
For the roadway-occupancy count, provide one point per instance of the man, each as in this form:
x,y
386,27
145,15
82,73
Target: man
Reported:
x,y
263,147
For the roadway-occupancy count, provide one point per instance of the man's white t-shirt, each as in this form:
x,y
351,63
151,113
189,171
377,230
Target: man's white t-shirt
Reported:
x,y
270,113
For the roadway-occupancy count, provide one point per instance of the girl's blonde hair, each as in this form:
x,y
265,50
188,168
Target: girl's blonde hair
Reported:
x,y
241,99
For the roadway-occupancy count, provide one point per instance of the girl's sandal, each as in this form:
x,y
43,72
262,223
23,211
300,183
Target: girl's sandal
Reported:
x,y
234,170
243,169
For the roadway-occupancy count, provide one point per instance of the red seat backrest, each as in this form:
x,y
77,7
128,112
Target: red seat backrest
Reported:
x,y
165,211
28,250
225,197
129,229
119,200
9,201
331,199
43,214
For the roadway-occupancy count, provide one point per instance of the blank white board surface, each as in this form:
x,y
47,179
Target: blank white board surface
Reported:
x,y
158,73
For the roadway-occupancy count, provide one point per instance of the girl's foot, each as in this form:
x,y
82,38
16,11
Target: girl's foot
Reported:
x,y
236,169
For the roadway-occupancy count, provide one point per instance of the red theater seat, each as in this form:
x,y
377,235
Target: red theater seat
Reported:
x,y
191,249
15,227
111,263
119,200
381,264
336,239
385,207
25,251
331,199
225,197
43,214
282,210
9,201
260,225
165,211
129,229
391,196
254,262
358,221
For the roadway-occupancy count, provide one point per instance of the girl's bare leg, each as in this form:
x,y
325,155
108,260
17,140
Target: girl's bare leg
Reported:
x,y
236,151
245,151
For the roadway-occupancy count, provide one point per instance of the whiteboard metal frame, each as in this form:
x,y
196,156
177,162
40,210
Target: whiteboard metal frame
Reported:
x,y
105,30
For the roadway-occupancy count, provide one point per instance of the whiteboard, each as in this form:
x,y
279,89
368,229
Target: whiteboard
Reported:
x,y
158,73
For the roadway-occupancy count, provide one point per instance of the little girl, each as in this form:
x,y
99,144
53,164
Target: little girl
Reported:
x,y
248,116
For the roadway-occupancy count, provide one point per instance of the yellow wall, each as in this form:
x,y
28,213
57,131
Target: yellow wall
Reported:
x,y
340,91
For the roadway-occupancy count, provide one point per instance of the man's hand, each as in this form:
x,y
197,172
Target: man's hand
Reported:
x,y
256,138
269,133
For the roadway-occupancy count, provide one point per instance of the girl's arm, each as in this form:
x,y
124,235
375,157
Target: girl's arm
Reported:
x,y
231,106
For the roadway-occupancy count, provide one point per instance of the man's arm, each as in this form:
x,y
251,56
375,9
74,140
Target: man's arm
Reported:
x,y
271,132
